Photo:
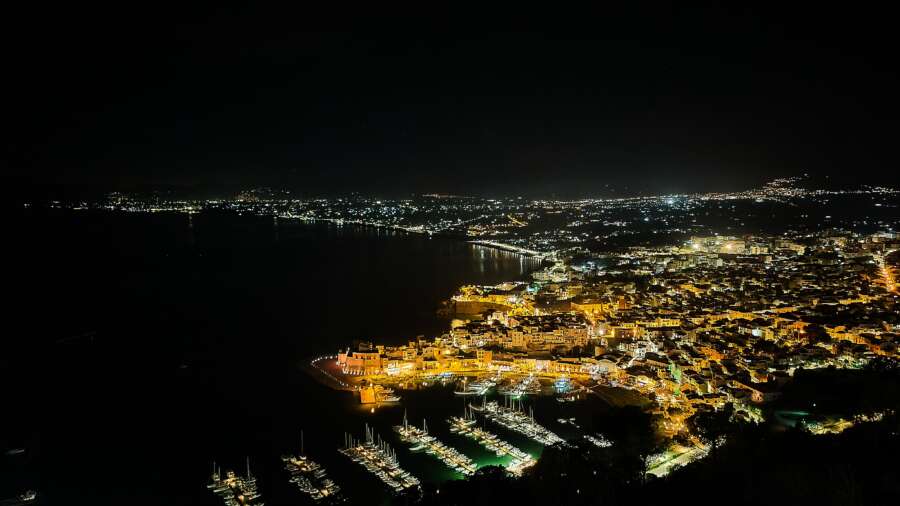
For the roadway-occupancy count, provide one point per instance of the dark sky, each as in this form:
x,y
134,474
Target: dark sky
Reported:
x,y
660,99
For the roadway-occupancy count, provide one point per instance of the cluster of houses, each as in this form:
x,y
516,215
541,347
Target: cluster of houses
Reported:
x,y
691,327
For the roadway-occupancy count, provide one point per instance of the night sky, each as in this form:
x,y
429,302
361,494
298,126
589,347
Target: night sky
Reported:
x,y
656,99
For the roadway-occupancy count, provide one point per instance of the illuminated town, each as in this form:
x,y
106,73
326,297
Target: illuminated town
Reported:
x,y
690,327
541,228
618,255
670,303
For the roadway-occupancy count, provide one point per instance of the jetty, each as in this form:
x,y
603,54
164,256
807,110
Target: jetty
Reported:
x,y
527,385
311,478
379,459
479,387
422,441
466,425
235,490
514,419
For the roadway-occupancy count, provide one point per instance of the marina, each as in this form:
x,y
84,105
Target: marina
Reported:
x,y
527,385
379,459
598,440
466,425
311,478
422,441
515,420
235,490
478,387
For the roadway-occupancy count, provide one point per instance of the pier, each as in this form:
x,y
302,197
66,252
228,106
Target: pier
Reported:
x,y
317,368
235,490
527,385
517,421
479,387
379,459
311,478
422,441
599,441
466,425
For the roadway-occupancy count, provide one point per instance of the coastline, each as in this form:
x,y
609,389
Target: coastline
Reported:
x,y
509,248
310,366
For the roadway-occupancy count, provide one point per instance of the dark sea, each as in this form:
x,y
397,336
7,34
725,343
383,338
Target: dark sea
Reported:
x,y
142,347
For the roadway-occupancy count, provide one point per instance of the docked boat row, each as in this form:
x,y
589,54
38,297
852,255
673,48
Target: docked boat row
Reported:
x,y
311,478
516,420
379,459
599,441
422,441
235,490
562,385
466,425
26,497
568,421
527,385
478,387
384,394
460,423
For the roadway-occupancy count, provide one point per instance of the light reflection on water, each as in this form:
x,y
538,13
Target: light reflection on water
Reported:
x,y
492,259
201,323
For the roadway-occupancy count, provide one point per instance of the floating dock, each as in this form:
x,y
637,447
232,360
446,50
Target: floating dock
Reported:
x,y
311,478
235,490
422,441
599,441
517,421
527,385
479,387
466,425
379,459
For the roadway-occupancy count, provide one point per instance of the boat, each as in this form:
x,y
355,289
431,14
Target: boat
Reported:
x,y
235,490
420,439
27,496
598,440
384,394
513,418
381,460
466,426
311,478
563,385
528,385
478,387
